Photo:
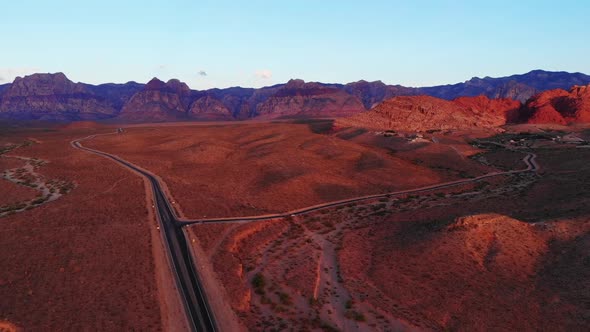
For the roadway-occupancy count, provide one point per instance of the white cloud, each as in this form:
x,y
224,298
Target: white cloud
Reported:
x,y
264,74
8,75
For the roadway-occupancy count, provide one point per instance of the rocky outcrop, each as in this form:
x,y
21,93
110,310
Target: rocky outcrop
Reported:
x,y
53,97
372,93
559,106
420,113
209,108
503,107
300,99
158,101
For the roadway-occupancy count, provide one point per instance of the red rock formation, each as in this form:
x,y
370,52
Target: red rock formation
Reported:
x,y
559,106
418,113
508,108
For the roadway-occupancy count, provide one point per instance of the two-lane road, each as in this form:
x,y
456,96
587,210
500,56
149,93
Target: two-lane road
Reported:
x,y
197,309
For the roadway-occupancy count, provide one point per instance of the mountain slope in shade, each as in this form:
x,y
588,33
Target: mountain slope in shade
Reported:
x,y
419,113
300,99
559,106
209,108
53,97
372,93
158,101
519,87
241,102
4,87
116,94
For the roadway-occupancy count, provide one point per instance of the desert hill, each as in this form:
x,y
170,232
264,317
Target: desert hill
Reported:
x,y
559,106
486,270
505,107
419,113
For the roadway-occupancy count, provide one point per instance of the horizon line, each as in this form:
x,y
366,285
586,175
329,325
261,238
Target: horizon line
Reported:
x,y
292,79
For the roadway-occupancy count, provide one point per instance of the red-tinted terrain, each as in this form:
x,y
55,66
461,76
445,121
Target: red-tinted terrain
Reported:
x,y
559,106
419,113
505,107
84,260
504,252
55,97
507,253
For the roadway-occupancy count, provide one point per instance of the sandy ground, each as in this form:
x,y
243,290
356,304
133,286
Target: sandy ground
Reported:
x,y
82,260
241,169
9,327
506,253
11,193
471,258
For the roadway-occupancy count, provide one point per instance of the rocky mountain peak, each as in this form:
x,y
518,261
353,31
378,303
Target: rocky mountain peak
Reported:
x,y
177,86
295,84
53,97
43,85
155,84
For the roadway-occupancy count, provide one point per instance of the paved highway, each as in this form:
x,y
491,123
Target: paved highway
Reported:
x,y
197,308
187,279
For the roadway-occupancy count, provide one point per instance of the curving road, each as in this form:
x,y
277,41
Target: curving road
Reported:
x,y
187,279
195,302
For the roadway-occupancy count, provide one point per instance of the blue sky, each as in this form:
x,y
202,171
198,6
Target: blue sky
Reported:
x,y
257,43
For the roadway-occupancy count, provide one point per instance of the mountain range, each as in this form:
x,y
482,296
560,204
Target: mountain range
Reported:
x,y
54,97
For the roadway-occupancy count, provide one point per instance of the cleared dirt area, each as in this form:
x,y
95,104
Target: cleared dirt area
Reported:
x,y
85,259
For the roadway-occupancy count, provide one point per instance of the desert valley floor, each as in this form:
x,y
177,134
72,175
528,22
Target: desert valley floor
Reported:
x,y
481,254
